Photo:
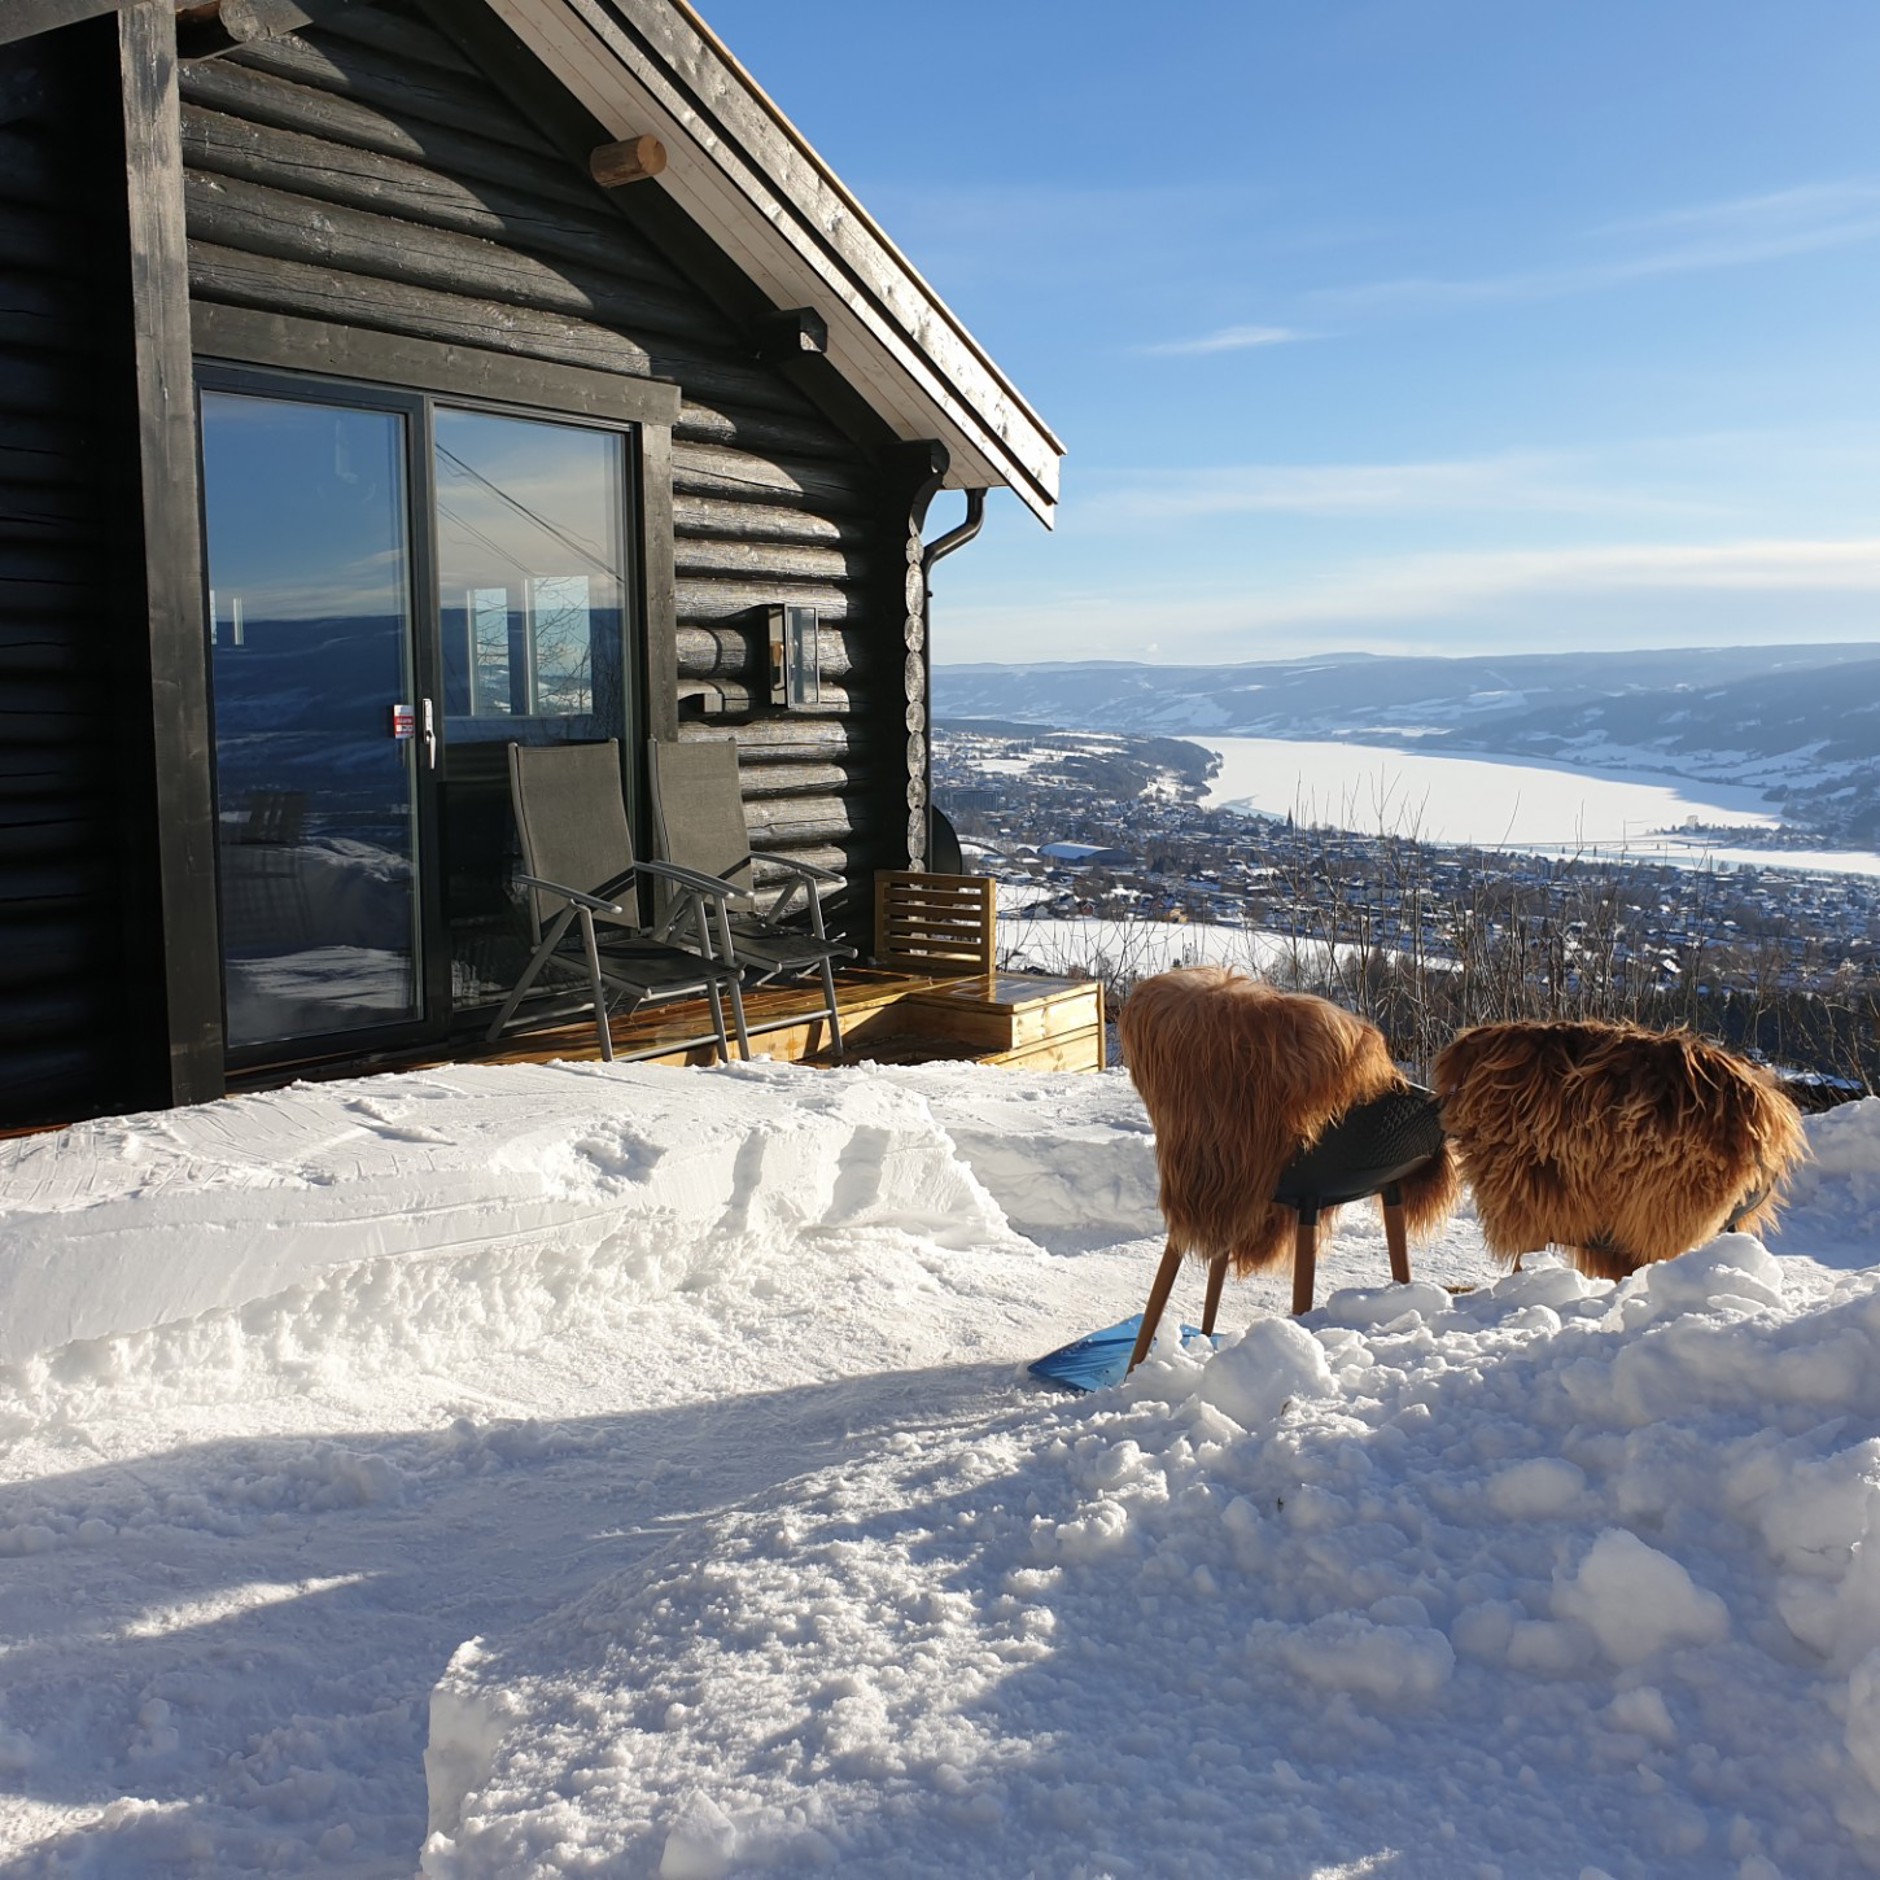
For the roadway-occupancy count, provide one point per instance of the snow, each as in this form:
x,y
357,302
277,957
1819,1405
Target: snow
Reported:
x,y
1131,949
1608,800
598,1469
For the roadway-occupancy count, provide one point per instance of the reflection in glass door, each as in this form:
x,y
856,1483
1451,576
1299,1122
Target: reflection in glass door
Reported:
x,y
317,722
532,588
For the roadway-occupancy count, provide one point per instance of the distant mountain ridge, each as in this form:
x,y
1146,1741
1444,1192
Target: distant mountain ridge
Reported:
x,y
1800,723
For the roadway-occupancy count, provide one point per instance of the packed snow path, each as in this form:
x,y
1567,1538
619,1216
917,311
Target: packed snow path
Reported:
x,y
601,1470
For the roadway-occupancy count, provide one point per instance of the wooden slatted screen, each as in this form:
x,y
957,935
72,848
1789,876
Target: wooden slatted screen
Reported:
x,y
941,925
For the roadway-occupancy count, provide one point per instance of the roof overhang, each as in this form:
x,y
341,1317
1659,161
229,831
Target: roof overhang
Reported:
x,y
748,178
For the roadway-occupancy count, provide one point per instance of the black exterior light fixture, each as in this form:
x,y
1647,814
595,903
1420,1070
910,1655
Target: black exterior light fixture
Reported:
x,y
794,683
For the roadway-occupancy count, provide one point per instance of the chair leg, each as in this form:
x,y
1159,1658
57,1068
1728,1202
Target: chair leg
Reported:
x,y
835,1017
737,1018
718,1020
602,1023
549,942
1158,1303
1305,1259
1217,1276
1394,1236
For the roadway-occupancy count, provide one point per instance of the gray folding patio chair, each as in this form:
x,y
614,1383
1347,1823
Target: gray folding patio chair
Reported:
x,y
581,874
698,808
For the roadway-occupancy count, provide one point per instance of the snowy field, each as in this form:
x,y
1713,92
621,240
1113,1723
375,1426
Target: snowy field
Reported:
x,y
1502,803
583,1470
1129,949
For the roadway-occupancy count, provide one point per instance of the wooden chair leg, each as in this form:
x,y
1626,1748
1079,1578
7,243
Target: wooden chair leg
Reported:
x,y
1158,1303
1217,1277
1305,1260
1394,1236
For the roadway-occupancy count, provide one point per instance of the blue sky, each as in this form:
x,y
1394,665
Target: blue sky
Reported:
x,y
1419,325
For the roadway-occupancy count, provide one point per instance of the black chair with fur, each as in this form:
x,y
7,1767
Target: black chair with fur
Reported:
x,y
1271,1110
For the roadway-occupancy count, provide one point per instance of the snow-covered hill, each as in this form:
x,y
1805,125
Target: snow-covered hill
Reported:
x,y
1801,723
583,1469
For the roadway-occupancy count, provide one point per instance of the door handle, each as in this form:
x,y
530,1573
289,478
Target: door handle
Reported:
x,y
428,722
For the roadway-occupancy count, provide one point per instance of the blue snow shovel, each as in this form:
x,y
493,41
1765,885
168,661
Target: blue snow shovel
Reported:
x,y
1099,1360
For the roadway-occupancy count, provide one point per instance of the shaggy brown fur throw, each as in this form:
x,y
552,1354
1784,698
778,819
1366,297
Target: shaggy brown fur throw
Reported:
x,y
1618,1145
1237,1079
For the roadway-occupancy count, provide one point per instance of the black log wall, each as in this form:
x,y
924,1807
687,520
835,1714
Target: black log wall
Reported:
x,y
82,1012
371,173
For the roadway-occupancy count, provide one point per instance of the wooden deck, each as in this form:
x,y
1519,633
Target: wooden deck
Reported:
x,y
996,1018
1011,1019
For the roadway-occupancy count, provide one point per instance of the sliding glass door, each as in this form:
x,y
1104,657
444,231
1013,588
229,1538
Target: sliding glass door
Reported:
x,y
532,593
312,660
401,587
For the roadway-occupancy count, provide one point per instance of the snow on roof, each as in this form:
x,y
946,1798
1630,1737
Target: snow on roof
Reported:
x,y
635,1470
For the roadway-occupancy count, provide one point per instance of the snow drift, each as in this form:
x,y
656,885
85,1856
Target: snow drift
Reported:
x,y
582,1469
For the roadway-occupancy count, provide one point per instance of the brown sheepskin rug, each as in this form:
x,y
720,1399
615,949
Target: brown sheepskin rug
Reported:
x,y
1237,1079
1618,1145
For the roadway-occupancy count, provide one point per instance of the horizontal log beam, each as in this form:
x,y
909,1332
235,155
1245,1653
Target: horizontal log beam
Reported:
x,y
781,740
240,278
715,470
779,563
760,781
711,422
797,821
330,170
719,697
732,652
459,152
409,40
349,70
719,519
704,602
258,219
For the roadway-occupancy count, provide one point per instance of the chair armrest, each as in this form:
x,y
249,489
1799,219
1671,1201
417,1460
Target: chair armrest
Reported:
x,y
593,902
689,878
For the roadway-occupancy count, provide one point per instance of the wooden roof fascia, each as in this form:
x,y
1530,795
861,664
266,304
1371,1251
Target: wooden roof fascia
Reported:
x,y
759,190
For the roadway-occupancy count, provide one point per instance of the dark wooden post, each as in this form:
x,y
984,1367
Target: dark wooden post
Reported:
x,y
1305,1257
1159,1290
1217,1278
183,806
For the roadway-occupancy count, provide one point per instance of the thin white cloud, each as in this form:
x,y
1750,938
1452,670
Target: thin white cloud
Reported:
x,y
1691,593
1229,339
1515,481
1737,232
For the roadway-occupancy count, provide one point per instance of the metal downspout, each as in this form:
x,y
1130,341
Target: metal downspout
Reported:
x,y
937,550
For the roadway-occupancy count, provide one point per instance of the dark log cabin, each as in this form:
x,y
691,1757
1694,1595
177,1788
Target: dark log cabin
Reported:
x,y
382,382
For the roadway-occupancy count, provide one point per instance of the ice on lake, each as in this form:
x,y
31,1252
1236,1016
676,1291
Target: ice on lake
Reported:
x,y
1500,803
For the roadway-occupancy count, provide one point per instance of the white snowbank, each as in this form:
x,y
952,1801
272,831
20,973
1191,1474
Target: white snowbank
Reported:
x,y
582,1469
1572,1577
116,1227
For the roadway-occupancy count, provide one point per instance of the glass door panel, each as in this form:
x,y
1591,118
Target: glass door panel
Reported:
x,y
311,655
533,585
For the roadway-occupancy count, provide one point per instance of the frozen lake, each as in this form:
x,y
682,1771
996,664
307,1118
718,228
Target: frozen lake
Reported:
x,y
1499,803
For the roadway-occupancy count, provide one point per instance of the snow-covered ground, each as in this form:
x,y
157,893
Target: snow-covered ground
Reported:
x,y
604,1470
1130,949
